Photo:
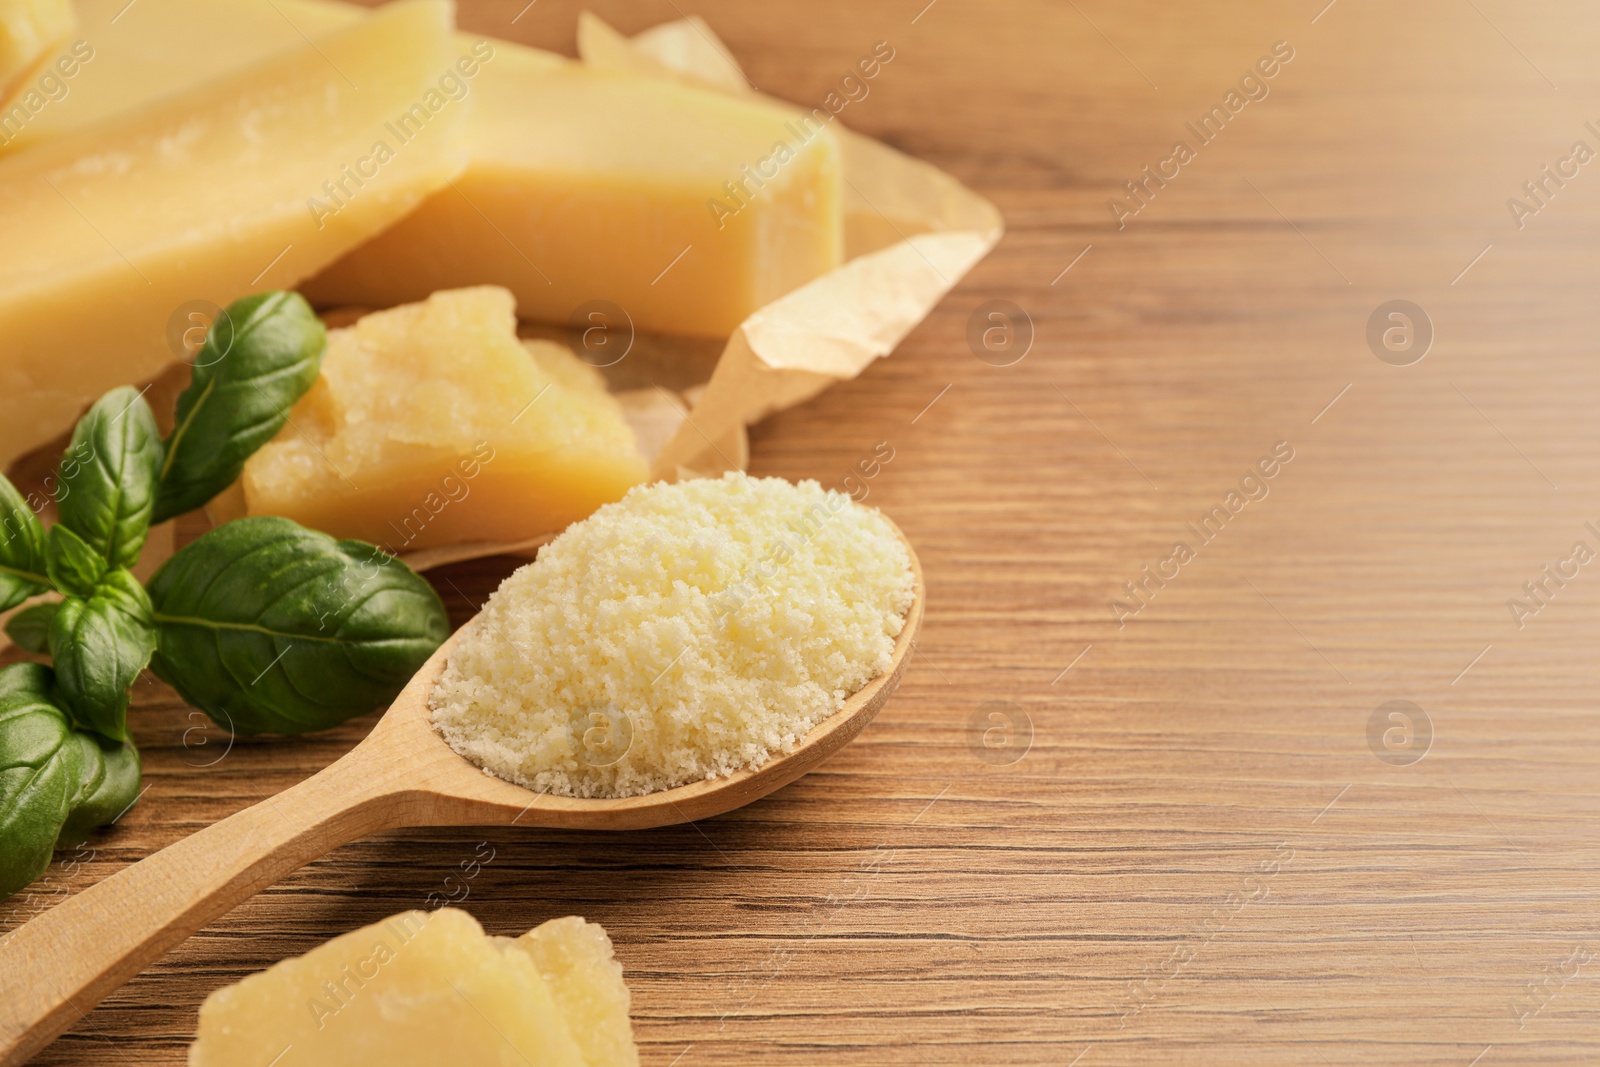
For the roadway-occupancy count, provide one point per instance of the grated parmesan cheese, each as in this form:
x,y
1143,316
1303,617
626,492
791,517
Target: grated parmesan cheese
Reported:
x,y
683,633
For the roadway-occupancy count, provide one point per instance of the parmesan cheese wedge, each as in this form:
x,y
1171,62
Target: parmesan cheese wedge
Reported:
x,y
431,424
686,208
132,54
208,195
422,989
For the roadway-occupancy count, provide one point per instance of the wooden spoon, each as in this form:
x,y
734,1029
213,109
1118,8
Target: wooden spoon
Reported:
x,y
62,963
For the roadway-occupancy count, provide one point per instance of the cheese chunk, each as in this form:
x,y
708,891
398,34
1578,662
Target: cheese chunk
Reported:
x,y
687,208
207,195
133,54
423,989
431,424
28,30
576,958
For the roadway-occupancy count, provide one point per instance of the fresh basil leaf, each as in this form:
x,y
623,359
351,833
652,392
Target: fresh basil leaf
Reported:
x,y
260,356
73,564
29,628
272,628
22,551
56,784
40,767
108,785
99,646
109,475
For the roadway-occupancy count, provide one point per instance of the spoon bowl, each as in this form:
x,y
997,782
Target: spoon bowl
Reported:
x,y
56,967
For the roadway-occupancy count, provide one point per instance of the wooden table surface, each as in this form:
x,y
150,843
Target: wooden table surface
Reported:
x,y
1196,836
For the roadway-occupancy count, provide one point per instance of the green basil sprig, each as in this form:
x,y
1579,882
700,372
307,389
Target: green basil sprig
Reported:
x,y
23,572
56,784
101,635
39,763
267,626
259,357
59,780
99,645
107,490
273,628
73,564
108,784
30,628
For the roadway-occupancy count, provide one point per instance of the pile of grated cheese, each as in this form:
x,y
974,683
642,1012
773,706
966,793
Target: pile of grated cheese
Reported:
x,y
683,633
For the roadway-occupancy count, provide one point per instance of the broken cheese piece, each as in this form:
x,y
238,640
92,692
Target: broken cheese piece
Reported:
x,y
203,196
28,30
686,208
427,988
431,424
576,958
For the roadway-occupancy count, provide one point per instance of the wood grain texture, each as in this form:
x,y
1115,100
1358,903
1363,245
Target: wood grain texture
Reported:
x,y
1198,858
402,774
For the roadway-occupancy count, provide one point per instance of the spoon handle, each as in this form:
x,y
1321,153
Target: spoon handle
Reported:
x,y
63,962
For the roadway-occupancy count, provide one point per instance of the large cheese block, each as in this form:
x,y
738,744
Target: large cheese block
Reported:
x,y
141,52
431,424
247,182
683,207
423,989
29,29
688,209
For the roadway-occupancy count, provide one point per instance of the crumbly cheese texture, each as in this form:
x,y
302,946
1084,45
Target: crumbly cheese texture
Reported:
x,y
683,633
431,424
421,989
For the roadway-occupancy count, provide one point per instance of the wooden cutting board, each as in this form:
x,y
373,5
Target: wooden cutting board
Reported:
x,y
1203,835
